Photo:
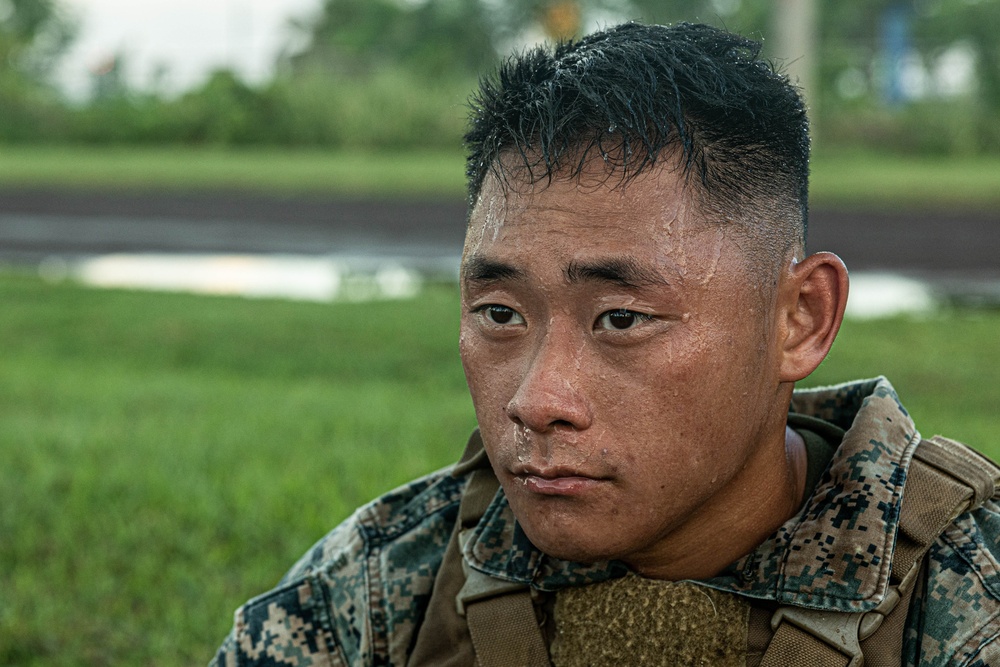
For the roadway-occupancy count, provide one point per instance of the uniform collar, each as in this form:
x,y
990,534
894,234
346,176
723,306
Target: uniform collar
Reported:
x,y
834,554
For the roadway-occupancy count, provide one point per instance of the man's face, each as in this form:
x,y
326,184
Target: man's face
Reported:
x,y
620,359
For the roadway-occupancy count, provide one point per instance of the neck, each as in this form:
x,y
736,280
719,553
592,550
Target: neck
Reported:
x,y
766,493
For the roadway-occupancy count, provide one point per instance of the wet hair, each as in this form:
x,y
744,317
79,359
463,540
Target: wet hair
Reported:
x,y
692,97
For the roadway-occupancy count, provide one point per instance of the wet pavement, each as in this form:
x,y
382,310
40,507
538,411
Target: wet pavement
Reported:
x,y
958,251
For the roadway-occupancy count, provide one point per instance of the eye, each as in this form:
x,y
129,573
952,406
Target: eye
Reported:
x,y
621,319
501,315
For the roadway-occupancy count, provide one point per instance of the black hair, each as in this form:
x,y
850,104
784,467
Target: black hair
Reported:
x,y
637,95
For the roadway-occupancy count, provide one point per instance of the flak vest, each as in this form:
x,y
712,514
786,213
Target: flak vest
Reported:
x,y
475,619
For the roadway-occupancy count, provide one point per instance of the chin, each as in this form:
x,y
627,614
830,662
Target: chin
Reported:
x,y
571,547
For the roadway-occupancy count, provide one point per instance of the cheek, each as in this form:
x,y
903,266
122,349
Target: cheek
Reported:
x,y
471,352
465,345
485,375
662,372
674,387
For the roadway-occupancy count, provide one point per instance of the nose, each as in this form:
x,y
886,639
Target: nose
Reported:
x,y
550,395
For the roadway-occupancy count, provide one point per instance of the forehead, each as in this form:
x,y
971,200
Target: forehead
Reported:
x,y
651,214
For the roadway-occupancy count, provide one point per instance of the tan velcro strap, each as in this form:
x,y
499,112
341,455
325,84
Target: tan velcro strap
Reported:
x,y
884,648
792,646
964,464
944,480
931,501
505,632
502,622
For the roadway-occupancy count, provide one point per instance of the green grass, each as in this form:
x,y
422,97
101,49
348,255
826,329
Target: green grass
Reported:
x,y
855,179
166,457
280,172
890,182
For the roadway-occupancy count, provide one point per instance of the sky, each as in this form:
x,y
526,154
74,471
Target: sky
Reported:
x,y
184,39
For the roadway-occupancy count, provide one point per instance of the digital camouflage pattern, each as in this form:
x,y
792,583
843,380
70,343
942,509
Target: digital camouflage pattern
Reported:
x,y
358,596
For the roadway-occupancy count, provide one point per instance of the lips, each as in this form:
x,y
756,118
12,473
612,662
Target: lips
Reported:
x,y
555,481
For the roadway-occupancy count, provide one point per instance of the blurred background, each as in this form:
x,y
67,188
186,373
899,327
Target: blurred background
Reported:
x,y
333,128
169,446
907,76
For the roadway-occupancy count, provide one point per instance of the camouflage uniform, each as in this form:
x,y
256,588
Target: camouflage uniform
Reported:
x,y
358,596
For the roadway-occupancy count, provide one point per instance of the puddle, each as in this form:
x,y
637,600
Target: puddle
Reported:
x,y
886,294
302,278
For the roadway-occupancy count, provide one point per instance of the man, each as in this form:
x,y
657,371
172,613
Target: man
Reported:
x,y
637,307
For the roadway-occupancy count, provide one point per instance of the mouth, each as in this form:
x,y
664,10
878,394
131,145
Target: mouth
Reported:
x,y
555,481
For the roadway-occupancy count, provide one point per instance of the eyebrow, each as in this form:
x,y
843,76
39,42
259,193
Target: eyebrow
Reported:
x,y
485,271
622,271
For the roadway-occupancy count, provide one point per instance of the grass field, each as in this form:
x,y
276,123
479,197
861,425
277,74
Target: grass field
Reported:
x,y
166,457
280,172
857,179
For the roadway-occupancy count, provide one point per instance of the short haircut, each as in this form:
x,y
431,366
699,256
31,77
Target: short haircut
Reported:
x,y
633,96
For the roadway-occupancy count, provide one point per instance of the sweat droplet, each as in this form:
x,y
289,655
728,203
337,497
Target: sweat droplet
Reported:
x,y
685,318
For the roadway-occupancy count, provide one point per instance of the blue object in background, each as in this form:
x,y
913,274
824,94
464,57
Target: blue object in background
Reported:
x,y
895,33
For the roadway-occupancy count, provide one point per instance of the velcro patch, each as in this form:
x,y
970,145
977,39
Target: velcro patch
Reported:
x,y
637,621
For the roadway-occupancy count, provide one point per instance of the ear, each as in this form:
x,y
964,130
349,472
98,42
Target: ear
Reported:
x,y
812,297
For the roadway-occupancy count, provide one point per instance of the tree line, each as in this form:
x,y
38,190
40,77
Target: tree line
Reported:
x,y
904,75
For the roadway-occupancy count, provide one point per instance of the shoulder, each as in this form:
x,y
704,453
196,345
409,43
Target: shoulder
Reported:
x,y
961,602
362,584
414,511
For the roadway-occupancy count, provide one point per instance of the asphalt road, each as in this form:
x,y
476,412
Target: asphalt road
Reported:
x,y
36,223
